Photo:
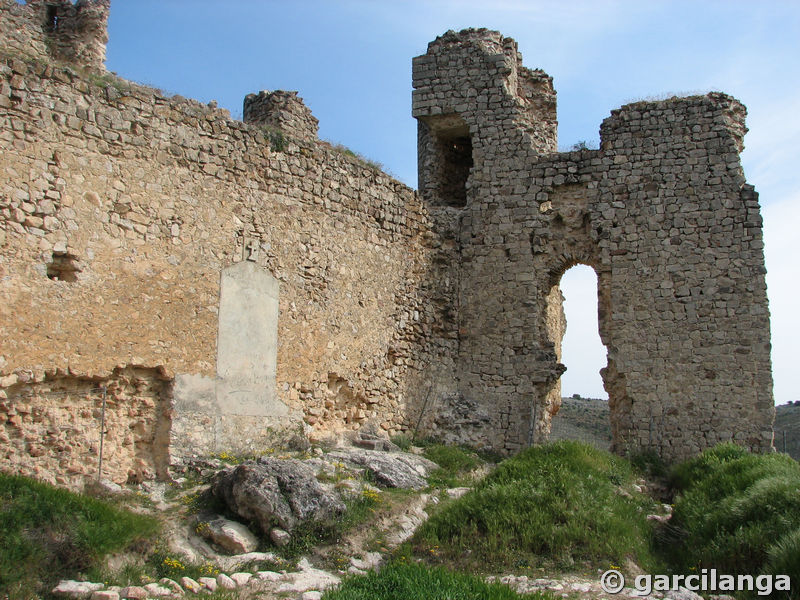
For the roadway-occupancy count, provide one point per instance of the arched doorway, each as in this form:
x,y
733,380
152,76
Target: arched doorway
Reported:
x,y
583,414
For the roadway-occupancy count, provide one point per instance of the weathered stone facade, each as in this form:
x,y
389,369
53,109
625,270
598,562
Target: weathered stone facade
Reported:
x,y
661,212
51,426
121,210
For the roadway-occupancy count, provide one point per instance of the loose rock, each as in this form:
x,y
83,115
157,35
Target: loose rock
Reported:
x,y
231,536
133,592
457,492
682,594
308,578
171,585
225,582
280,537
209,583
241,578
233,563
76,589
273,490
190,584
157,591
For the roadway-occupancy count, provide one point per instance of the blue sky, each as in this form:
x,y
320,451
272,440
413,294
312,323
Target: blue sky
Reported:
x,y
351,62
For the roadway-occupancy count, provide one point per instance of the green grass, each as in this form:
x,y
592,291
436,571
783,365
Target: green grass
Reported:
x,y
552,506
277,140
399,581
48,533
367,162
455,464
330,531
737,512
106,79
403,442
783,558
649,464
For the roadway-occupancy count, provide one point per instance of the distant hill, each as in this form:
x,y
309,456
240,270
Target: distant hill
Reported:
x,y
584,419
587,419
787,421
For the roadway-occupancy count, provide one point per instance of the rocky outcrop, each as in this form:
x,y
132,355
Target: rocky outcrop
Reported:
x,y
392,469
273,492
308,578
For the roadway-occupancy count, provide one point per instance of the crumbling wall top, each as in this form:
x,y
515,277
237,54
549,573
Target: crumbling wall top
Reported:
x,y
474,100
694,116
281,110
492,42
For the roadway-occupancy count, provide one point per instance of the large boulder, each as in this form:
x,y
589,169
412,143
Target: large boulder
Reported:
x,y
273,492
392,469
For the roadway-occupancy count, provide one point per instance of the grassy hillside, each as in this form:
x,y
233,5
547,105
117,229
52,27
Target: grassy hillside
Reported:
x,y
583,419
736,512
48,533
402,581
556,506
559,508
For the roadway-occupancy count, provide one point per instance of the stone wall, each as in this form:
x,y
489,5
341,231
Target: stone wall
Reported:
x,y
22,30
662,213
120,208
50,426
121,211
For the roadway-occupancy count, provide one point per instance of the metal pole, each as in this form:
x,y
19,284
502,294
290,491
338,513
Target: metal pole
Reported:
x,y
532,424
784,441
422,412
102,434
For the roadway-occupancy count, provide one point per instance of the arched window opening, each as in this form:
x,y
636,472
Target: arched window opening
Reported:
x,y
450,160
584,413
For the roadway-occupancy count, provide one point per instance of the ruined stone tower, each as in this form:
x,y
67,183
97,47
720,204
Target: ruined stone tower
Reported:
x,y
74,33
661,212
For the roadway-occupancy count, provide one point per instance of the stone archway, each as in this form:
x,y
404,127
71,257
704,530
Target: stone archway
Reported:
x,y
573,313
661,211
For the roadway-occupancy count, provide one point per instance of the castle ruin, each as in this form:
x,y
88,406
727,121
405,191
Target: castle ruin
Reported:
x,y
661,212
208,285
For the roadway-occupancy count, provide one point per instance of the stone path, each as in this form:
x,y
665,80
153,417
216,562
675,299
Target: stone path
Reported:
x,y
309,583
